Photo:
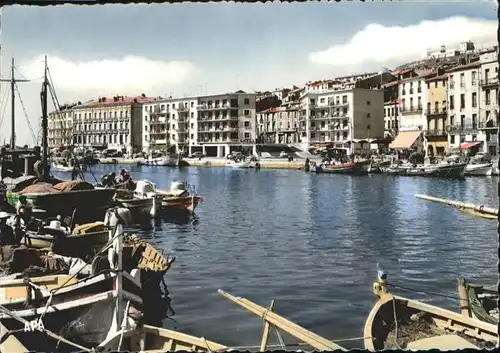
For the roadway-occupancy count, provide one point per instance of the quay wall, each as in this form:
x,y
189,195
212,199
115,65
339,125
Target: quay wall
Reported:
x,y
296,164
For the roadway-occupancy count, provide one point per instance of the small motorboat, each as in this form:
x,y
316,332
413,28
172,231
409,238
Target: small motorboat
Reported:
x,y
143,200
480,165
478,302
180,196
245,163
401,323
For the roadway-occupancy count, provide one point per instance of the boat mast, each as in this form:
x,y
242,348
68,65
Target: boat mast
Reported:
x,y
43,94
13,82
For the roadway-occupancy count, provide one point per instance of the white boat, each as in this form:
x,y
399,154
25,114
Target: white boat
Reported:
x,y
62,167
144,199
479,169
171,160
249,162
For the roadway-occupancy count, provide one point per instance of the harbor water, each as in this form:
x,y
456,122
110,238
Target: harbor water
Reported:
x,y
312,243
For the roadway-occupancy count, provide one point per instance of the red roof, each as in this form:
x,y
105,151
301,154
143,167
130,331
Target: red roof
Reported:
x,y
103,101
440,77
271,110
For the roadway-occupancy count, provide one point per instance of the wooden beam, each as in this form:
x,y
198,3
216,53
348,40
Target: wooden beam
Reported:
x,y
317,342
267,330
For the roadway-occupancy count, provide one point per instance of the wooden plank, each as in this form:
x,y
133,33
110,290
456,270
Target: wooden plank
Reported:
x,y
267,330
463,298
312,339
480,209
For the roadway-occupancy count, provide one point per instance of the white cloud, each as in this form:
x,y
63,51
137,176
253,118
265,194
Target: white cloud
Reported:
x,y
383,45
112,76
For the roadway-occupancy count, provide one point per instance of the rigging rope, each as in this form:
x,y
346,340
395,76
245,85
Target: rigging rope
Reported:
x,y
25,113
422,291
6,92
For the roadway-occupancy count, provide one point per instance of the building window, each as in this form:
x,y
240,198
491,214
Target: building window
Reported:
x,y
474,100
462,101
368,115
452,139
246,101
247,112
367,102
487,97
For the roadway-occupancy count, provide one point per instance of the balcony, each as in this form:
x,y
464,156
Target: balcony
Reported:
x,y
463,129
434,112
411,110
436,133
489,82
202,107
486,125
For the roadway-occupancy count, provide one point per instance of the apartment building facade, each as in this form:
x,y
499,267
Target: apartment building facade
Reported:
x,y
488,98
436,115
108,122
279,125
169,124
60,127
463,107
346,119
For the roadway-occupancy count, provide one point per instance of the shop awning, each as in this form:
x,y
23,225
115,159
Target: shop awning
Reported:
x,y
467,145
405,140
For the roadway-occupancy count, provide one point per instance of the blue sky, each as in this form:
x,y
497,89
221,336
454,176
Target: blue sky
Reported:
x,y
183,48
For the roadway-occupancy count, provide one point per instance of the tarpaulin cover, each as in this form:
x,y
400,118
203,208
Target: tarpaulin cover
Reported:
x,y
65,186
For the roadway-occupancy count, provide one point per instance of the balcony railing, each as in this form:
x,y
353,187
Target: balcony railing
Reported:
x,y
439,111
465,128
436,132
411,109
492,124
489,82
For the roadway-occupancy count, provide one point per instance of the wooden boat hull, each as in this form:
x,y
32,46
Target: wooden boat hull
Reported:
x,y
187,203
345,168
479,169
449,171
72,245
86,202
141,206
158,340
379,330
480,301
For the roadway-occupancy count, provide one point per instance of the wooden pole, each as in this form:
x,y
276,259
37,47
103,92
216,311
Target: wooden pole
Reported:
x,y
462,205
463,297
267,330
317,342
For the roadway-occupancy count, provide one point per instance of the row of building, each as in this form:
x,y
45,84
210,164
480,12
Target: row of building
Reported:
x,y
433,105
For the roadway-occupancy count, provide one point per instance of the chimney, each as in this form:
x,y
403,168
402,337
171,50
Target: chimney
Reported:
x,y
104,99
100,100
143,95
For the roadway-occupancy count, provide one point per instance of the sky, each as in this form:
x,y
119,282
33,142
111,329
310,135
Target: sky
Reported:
x,y
192,49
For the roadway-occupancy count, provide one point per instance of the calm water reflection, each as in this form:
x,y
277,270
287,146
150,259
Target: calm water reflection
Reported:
x,y
312,242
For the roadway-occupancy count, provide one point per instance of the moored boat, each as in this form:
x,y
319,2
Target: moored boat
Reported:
x,y
143,200
179,197
483,169
401,323
478,302
342,168
447,170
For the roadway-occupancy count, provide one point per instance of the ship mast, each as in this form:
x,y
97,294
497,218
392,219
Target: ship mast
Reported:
x,y
13,82
45,147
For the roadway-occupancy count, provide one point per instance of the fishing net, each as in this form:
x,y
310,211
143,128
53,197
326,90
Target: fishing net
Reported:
x,y
420,326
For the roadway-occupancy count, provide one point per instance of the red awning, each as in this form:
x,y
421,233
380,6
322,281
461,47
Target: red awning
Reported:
x,y
467,145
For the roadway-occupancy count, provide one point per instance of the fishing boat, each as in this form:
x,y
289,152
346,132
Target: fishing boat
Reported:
x,y
401,323
480,165
63,197
169,160
180,196
82,240
52,196
143,200
245,163
447,170
82,308
341,168
478,302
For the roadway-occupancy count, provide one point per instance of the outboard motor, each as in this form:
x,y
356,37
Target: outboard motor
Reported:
x,y
117,214
145,187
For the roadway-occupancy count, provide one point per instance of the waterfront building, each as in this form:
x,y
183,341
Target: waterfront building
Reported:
x,y
170,124
60,127
344,119
463,107
279,125
106,123
436,115
412,93
336,84
215,125
488,102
